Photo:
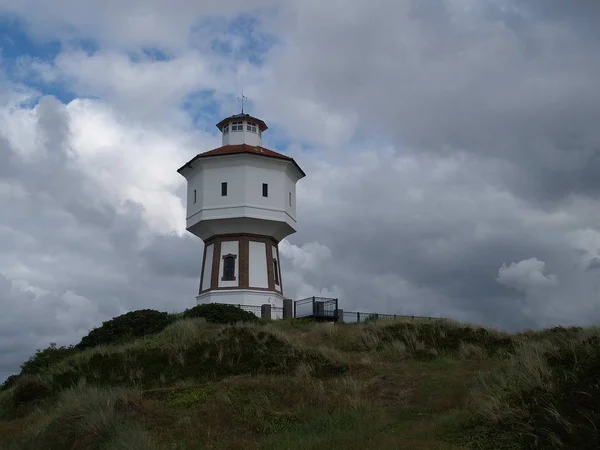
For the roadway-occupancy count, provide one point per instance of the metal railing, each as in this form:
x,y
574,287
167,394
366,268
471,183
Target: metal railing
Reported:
x,y
360,317
327,309
317,307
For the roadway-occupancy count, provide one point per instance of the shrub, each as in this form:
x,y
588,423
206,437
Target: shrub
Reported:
x,y
133,324
39,363
220,313
29,389
43,359
9,382
26,394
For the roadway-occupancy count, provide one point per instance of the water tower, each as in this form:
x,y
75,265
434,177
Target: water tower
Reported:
x,y
241,201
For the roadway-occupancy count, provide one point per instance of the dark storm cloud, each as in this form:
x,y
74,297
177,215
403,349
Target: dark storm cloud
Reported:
x,y
491,109
177,256
445,78
431,247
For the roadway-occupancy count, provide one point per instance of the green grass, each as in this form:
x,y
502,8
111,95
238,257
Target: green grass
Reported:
x,y
300,385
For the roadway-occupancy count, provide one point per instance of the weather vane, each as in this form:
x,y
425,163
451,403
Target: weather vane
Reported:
x,y
241,100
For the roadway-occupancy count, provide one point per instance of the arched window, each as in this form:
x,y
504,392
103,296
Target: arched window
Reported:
x,y
228,267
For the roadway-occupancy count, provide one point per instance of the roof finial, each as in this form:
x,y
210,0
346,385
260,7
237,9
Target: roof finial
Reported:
x,y
241,100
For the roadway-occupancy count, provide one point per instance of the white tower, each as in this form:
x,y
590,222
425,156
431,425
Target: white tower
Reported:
x,y
241,201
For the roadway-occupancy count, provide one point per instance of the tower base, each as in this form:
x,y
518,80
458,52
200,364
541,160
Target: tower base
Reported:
x,y
242,297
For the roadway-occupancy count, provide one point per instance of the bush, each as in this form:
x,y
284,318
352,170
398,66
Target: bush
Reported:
x,y
220,313
9,382
39,363
26,394
131,325
29,389
43,359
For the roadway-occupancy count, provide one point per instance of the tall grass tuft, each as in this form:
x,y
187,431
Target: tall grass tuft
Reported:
x,y
547,394
88,417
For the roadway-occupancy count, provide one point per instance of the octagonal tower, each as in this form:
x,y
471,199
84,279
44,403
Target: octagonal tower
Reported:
x,y
241,201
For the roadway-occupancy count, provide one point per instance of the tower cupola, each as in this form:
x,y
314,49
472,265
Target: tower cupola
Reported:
x,y
242,129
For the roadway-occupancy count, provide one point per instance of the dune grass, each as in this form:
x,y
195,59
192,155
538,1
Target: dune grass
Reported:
x,y
302,385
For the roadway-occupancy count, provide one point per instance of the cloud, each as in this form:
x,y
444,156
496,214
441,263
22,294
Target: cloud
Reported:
x,y
525,275
310,256
457,76
76,248
134,25
33,318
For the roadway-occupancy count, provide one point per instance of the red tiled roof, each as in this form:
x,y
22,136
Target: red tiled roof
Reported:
x,y
242,149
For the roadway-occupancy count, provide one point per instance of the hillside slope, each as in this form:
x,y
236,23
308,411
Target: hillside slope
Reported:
x,y
301,385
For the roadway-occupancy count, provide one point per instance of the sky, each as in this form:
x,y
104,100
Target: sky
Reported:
x,y
452,152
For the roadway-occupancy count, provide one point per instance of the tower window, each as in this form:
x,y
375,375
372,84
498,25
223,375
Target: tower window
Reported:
x,y
226,129
228,267
251,127
290,199
265,190
194,195
237,126
276,270
223,189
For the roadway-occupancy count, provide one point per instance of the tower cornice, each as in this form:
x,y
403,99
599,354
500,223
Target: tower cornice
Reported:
x,y
241,149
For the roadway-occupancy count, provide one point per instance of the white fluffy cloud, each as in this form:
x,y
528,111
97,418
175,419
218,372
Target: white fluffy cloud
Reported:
x,y
526,275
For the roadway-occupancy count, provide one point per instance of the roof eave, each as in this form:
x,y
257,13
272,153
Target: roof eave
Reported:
x,y
261,124
280,158
187,165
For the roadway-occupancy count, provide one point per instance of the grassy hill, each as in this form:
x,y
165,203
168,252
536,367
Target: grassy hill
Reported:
x,y
189,383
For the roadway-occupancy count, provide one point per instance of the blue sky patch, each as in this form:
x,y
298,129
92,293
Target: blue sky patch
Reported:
x,y
238,39
203,109
19,50
149,54
15,42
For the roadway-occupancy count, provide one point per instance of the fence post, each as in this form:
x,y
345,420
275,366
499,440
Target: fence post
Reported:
x,y
265,311
287,308
357,317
